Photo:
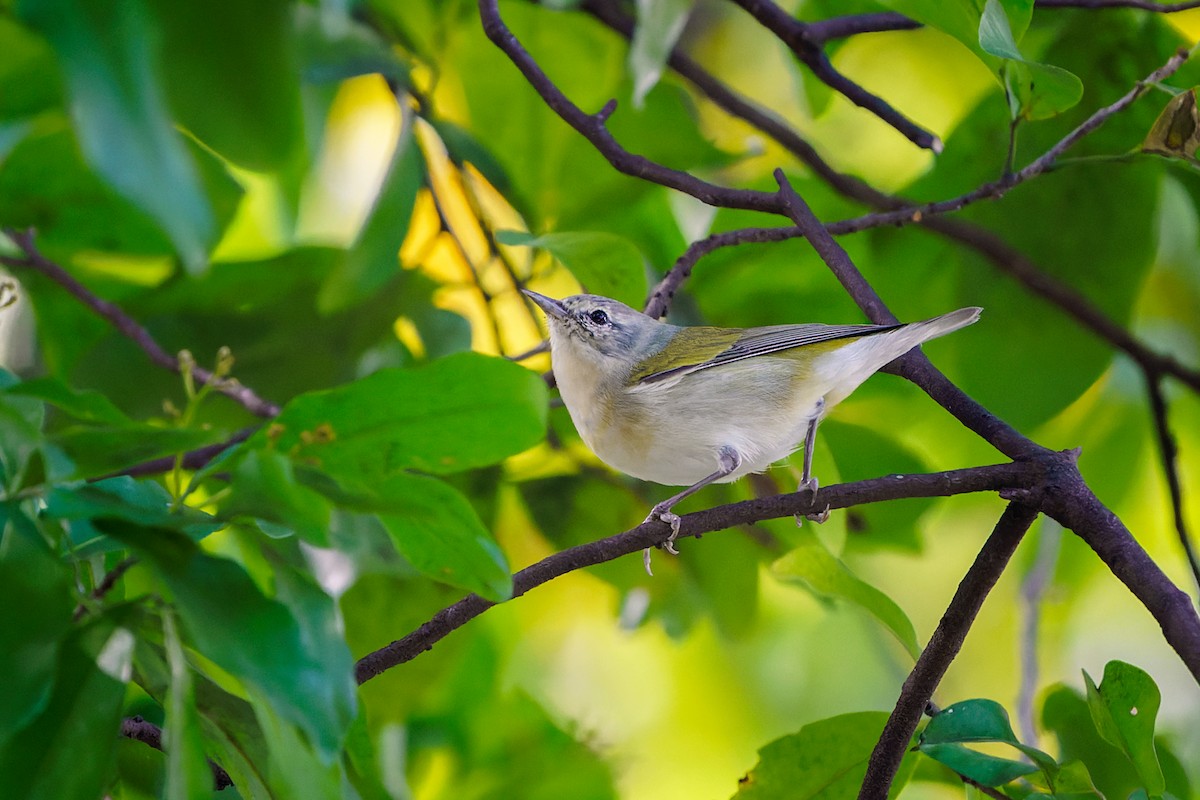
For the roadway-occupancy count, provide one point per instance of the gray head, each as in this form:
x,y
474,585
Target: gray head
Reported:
x,y
600,326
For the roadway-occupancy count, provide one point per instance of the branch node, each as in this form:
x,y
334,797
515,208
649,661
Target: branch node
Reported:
x,y
603,114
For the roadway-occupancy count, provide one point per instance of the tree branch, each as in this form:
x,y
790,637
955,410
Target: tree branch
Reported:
x,y
944,644
913,366
795,34
592,127
1002,255
1169,453
149,733
1000,477
126,325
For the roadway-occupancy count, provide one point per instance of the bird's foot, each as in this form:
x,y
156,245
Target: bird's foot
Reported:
x,y
663,513
810,486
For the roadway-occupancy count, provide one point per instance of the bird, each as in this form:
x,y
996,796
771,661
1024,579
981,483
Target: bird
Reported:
x,y
693,405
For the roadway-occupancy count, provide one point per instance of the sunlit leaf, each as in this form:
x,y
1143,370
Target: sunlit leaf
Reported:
x,y
819,570
457,413
826,759
263,485
1124,708
374,258
604,263
658,27
984,769
437,530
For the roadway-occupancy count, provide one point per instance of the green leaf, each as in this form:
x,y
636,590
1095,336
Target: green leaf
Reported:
x,y
1043,90
188,774
982,768
231,732
461,412
263,486
861,453
826,759
20,437
1124,708
604,263
230,74
106,51
970,721
44,183
29,80
817,568
34,580
434,526
375,258
87,405
66,753
98,450
144,502
995,34
979,721
270,653
992,31
298,772
659,23
333,47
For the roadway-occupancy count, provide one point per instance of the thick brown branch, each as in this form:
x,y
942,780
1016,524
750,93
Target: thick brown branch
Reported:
x,y
1002,255
943,647
913,366
1000,477
33,259
1072,503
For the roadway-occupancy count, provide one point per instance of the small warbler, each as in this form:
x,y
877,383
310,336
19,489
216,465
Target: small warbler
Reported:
x,y
690,406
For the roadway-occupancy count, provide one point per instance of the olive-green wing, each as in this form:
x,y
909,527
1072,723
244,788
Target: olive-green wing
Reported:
x,y
705,350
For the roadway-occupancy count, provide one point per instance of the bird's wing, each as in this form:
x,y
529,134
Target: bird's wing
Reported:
x,y
737,345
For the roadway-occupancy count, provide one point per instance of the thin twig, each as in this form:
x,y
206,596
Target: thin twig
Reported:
x,y
126,325
1044,163
191,460
1000,477
855,24
1169,454
1143,5
150,734
794,33
943,646
592,127
1002,255
106,584
1033,589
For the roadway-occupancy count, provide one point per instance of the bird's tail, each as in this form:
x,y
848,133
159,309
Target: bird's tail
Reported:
x,y
846,368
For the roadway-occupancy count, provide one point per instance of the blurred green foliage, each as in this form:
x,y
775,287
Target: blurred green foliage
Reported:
x,y
208,168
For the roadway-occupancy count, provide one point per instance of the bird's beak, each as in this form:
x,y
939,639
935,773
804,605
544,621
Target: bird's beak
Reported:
x,y
553,308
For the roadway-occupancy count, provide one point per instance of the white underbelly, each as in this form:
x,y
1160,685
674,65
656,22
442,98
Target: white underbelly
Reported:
x,y
673,435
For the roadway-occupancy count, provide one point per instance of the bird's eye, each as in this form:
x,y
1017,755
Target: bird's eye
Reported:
x,y
599,316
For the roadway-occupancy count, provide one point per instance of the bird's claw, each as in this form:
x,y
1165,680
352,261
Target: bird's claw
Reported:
x,y
672,519
810,486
